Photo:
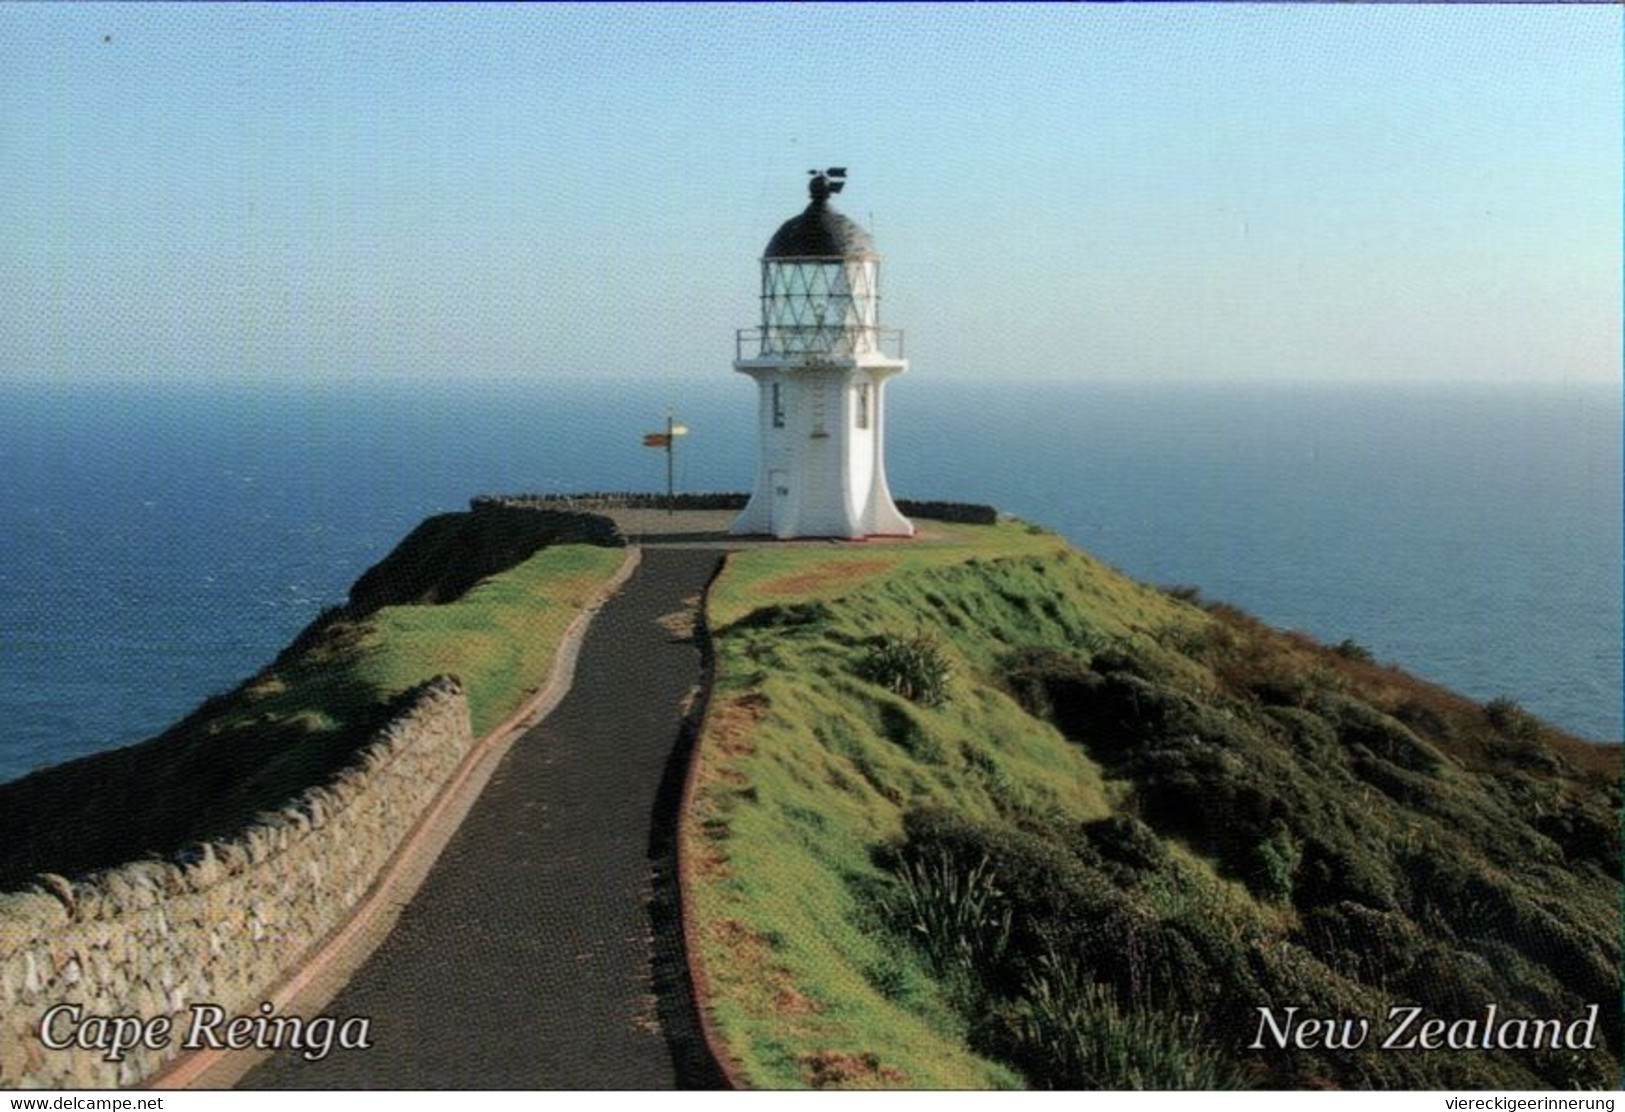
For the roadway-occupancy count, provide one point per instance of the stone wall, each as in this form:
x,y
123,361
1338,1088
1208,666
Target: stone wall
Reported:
x,y
570,523
613,500
225,922
967,513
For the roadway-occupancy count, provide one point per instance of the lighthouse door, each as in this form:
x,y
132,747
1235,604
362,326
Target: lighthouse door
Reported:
x,y
779,481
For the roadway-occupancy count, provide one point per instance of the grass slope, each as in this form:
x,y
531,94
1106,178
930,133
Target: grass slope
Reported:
x,y
302,718
499,638
1131,820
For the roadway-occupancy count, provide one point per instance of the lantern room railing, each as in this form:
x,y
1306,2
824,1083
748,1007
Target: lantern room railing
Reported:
x,y
818,339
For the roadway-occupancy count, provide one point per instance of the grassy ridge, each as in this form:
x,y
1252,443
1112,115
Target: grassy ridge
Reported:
x,y
805,769
302,718
1131,821
498,638
797,574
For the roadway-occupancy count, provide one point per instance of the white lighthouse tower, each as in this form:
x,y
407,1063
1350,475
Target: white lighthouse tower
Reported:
x,y
821,361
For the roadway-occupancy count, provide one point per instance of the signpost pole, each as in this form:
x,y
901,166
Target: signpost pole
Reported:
x,y
668,441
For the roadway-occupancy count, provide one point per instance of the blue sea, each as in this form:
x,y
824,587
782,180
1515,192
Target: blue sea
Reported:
x,y
158,545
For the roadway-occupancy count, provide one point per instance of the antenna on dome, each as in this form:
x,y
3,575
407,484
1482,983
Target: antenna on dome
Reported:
x,y
826,183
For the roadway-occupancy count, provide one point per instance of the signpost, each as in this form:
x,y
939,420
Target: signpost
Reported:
x,y
668,441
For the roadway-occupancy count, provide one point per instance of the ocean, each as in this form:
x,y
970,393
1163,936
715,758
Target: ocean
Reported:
x,y
158,545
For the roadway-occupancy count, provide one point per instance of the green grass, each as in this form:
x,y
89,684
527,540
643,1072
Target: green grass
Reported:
x,y
803,573
499,638
303,718
806,768
1270,801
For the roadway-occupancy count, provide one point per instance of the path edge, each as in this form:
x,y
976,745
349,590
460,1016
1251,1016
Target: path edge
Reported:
x,y
728,1066
316,978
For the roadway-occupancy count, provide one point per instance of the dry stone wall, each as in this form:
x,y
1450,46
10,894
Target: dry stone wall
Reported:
x,y
967,513
571,523
587,503
224,923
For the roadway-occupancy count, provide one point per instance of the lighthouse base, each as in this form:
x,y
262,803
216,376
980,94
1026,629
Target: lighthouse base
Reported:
x,y
768,514
822,470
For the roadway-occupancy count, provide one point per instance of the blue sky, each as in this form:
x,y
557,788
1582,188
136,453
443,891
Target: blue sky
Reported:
x,y
1182,192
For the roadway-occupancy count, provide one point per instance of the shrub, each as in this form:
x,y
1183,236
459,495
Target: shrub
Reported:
x,y
1352,650
1125,839
1186,640
1511,720
1422,719
1055,895
1360,724
916,668
1378,947
786,616
957,916
1275,863
1034,674
1070,1033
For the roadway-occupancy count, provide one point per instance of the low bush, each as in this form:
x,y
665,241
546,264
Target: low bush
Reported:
x,y
917,668
1350,649
1067,1032
1510,720
1276,861
957,916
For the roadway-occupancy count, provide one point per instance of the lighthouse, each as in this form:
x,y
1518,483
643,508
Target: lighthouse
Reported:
x,y
821,361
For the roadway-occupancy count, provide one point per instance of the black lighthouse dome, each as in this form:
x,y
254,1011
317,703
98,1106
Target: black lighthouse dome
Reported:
x,y
819,232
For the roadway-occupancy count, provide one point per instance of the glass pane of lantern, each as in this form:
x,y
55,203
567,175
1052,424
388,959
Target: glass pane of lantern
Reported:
x,y
819,306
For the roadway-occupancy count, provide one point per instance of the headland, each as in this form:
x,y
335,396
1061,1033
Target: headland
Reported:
x,y
966,809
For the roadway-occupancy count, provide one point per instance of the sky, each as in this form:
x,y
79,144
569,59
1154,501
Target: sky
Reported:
x,y
325,193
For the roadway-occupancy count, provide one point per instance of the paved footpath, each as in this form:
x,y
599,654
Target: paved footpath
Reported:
x,y
544,949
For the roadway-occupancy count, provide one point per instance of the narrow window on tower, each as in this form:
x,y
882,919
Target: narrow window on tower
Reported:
x,y
778,408
863,405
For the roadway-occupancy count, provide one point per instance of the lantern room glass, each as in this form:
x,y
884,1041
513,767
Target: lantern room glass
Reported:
x,y
820,306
